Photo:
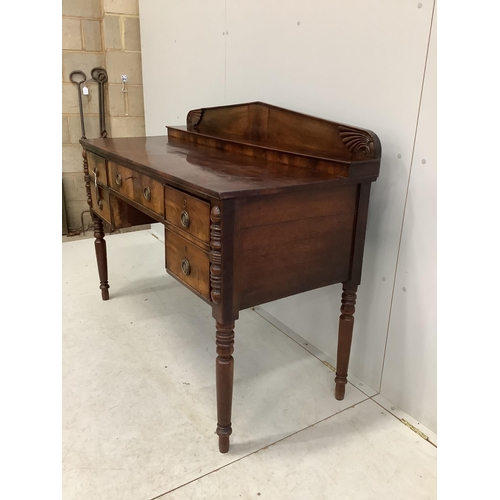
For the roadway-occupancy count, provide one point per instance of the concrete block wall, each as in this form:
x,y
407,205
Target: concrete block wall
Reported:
x,y
102,33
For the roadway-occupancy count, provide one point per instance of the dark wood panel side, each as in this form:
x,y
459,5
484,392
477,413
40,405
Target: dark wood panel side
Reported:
x,y
305,134
220,121
294,206
257,148
258,119
223,252
283,259
359,235
245,122
285,129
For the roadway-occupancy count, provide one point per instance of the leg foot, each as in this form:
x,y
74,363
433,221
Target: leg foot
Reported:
x,y
223,444
340,384
224,369
102,261
346,324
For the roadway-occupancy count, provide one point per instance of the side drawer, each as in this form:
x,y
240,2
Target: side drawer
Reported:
x,y
101,205
188,263
97,168
188,213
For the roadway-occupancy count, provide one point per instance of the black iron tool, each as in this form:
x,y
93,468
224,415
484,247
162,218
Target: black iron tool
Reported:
x,y
79,77
101,77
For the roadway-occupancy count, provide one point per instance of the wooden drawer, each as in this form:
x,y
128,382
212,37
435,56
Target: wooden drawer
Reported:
x,y
182,254
121,179
138,187
97,166
149,193
102,208
188,213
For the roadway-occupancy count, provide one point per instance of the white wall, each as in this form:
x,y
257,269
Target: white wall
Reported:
x,y
409,371
358,62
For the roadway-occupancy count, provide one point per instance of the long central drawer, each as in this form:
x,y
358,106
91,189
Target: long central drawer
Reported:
x,y
137,187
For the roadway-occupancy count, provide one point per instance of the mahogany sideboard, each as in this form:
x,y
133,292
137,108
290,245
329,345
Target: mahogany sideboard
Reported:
x,y
258,203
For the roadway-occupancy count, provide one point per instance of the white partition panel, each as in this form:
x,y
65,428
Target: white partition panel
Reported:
x,y
409,376
359,62
183,53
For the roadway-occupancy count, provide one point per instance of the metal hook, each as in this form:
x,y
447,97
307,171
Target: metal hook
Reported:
x,y
77,72
99,74
79,83
101,77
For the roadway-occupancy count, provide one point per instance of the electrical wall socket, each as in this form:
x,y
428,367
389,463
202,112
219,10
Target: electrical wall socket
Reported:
x,y
124,78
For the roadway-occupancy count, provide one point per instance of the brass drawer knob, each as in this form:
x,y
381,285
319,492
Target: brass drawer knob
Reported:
x,y
185,267
185,219
118,179
147,193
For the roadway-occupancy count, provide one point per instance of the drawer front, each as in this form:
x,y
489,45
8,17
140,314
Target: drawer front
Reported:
x,y
121,179
100,203
188,213
149,193
137,187
188,262
97,167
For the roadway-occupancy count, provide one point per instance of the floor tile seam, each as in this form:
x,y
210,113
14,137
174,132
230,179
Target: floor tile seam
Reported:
x,y
402,423
325,362
263,448
291,338
309,352
73,443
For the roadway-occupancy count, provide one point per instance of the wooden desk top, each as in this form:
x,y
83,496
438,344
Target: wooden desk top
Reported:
x,y
248,150
202,168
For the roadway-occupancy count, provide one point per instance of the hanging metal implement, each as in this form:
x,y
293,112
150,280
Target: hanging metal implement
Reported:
x,y
101,77
79,77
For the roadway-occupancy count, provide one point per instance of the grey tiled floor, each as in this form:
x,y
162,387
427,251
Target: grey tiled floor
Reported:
x,y
139,400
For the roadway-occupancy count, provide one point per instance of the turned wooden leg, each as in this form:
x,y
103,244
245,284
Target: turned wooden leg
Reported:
x,y
224,369
346,323
100,252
